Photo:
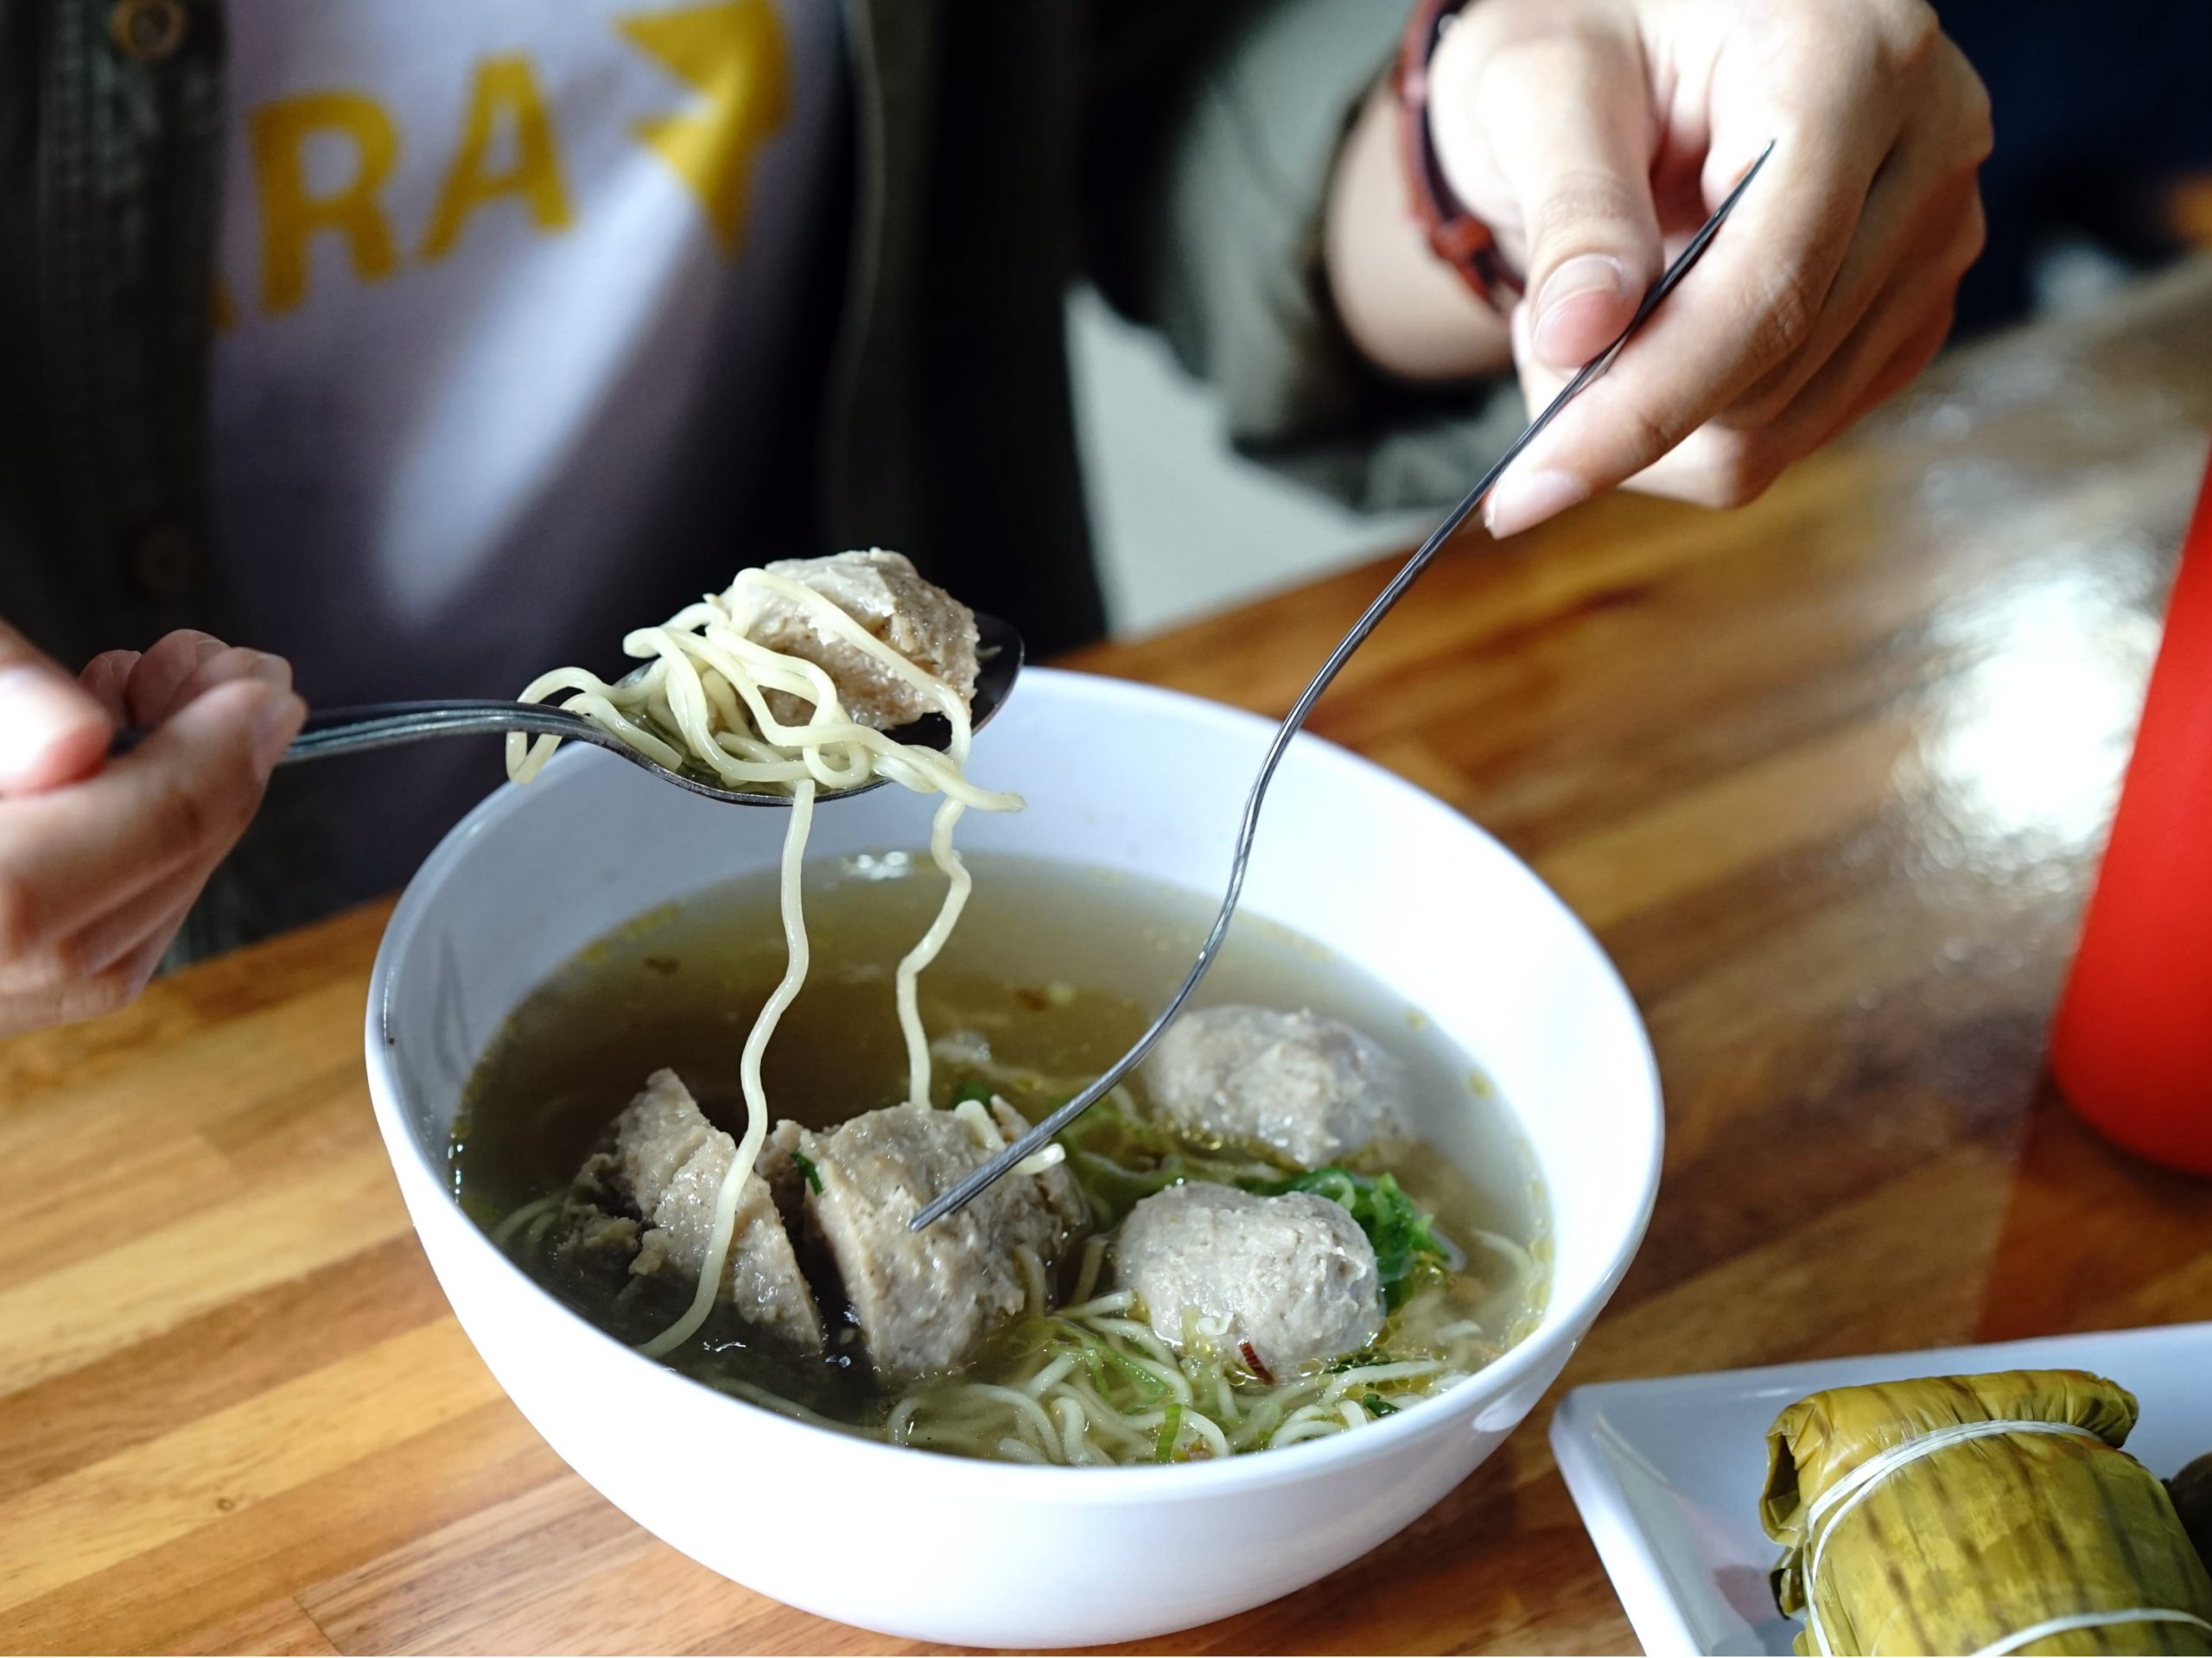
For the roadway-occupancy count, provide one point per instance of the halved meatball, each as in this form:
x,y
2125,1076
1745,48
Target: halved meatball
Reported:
x,y
653,1191
1312,1089
1292,1275
926,1301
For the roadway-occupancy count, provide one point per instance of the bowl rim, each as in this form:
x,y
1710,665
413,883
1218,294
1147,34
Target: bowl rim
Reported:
x,y
1561,1322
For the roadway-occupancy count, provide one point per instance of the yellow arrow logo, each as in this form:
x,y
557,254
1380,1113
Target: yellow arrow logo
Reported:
x,y
733,56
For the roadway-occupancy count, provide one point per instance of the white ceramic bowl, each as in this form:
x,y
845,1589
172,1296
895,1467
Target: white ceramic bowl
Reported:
x,y
998,1554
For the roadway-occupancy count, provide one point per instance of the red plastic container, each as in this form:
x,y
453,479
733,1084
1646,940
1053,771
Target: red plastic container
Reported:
x,y
2132,1046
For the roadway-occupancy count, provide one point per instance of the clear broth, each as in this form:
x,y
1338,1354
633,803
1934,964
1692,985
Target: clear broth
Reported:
x,y
1056,967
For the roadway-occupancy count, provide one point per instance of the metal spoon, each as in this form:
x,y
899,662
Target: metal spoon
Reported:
x,y
385,725
1030,1143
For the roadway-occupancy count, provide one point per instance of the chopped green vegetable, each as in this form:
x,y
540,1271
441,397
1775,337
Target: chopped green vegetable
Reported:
x,y
1148,1384
1089,1352
1378,1405
980,1092
1171,1429
1407,1252
1361,1360
1121,1159
806,1168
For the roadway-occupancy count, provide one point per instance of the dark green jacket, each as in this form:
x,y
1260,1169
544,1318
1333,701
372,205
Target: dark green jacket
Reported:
x,y
1176,151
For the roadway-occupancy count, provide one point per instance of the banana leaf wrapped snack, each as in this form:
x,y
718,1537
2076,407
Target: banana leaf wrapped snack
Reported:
x,y
1984,1513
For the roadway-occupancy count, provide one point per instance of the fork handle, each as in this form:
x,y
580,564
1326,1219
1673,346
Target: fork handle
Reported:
x,y
387,725
1034,1140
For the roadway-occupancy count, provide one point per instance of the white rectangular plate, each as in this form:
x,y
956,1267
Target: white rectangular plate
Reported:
x,y
1667,1472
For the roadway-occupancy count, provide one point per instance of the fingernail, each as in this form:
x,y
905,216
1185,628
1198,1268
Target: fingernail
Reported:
x,y
1585,273
205,649
273,669
1520,501
274,723
36,706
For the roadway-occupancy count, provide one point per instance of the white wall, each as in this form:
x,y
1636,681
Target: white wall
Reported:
x,y
1184,526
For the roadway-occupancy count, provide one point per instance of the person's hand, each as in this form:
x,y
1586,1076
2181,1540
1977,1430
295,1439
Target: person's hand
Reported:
x,y
1594,135
100,859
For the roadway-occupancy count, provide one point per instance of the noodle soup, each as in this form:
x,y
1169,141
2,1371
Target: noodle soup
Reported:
x,y
1053,970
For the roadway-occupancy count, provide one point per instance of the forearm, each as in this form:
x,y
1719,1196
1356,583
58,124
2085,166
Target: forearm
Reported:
x,y
1407,312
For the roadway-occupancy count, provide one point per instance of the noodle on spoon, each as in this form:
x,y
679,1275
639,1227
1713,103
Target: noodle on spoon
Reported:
x,y
703,702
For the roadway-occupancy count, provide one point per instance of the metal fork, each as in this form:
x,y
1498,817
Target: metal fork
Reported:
x,y
1030,1143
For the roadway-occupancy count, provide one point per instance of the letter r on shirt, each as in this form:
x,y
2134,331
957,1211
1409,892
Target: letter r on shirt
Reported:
x,y
277,137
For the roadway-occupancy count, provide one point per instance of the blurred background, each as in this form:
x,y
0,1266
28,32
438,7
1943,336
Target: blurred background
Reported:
x,y
2103,169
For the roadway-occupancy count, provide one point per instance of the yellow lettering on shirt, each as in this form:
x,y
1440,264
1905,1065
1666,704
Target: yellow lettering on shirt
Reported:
x,y
276,138
502,84
733,55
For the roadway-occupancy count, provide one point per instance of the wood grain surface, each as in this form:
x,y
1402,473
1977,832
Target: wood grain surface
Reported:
x,y
1828,775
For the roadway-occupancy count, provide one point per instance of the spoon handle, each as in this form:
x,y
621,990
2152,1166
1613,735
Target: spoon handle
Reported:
x,y
1029,1144
386,725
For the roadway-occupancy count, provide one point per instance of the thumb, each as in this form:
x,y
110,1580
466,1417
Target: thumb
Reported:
x,y
51,730
1566,116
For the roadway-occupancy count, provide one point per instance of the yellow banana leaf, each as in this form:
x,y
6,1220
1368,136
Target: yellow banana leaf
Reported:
x,y
1978,1514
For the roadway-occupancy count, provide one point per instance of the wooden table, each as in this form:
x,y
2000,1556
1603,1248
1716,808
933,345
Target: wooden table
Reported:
x,y
1828,775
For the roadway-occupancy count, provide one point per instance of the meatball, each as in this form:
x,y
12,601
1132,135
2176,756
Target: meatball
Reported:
x,y
887,597
653,1192
1291,1276
926,1301
1312,1089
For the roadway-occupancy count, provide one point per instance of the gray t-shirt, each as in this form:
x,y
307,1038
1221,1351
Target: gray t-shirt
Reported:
x,y
506,335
